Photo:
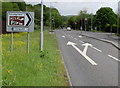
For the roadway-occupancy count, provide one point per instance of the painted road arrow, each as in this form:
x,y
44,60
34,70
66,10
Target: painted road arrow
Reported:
x,y
83,54
86,47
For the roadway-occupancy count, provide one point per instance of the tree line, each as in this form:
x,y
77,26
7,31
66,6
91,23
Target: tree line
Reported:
x,y
22,6
104,20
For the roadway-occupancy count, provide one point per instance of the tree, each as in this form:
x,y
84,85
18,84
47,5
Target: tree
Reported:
x,y
5,9
57,19
22,5
104,17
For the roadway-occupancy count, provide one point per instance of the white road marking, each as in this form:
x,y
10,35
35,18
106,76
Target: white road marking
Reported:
x,y
80,36
87,58
82,41
75,38
71,37
97,49
86,47
63,36
114,58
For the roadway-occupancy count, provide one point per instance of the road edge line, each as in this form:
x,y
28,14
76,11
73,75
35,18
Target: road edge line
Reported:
x,y
68,75
110,42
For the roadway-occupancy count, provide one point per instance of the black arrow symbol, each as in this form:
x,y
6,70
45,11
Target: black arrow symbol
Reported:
x,y
28,18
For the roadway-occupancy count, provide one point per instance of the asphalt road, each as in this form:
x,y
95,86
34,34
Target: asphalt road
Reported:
x,y
101,35
89,62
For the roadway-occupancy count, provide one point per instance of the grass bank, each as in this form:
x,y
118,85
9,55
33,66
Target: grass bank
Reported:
x,y
36,69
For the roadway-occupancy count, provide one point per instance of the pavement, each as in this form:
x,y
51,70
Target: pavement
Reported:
x,y
106,37
89,62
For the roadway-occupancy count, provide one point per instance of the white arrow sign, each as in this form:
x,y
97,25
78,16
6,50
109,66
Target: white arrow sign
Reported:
x,y
89,59
86,47
18,21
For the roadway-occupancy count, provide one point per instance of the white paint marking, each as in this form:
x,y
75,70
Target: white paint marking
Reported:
x,y
87,58
82,41
71,37
97,49
114,58
75,38
86,47
63,36
80,36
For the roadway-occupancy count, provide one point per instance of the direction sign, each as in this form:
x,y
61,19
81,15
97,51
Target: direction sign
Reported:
x,y
18,21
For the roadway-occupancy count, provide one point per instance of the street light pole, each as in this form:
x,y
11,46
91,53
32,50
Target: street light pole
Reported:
x,y
81,26
50,15
91,22
41,33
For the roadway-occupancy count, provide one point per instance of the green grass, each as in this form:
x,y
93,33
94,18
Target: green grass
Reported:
x,y
36,69
118,35
96,31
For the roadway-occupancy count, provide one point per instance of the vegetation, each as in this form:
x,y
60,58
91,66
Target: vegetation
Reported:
x,y
36,69
22,6
104,20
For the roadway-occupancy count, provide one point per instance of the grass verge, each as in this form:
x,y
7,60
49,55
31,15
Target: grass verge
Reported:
x,y
36,69
118,35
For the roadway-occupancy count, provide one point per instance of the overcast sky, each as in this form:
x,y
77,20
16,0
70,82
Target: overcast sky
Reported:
x,y
73,7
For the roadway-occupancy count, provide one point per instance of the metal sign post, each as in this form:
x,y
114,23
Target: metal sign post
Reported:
x,y
28,42
18,21
11,45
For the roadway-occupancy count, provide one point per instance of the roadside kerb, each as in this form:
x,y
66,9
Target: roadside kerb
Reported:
x,y
104,40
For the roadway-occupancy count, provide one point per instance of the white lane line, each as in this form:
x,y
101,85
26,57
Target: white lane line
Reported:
x,y
82,41
75,38
80,36
97,49
114,58
63,36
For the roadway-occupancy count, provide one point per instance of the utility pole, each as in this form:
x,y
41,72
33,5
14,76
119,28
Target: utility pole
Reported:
x,y
85,21
81,26
28,39
41,33
50,15
91,22
117,23
118,15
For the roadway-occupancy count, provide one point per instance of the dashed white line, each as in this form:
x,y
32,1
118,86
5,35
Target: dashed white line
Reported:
x,y
80,36
63,36
114,58
97,49
82,41
75,38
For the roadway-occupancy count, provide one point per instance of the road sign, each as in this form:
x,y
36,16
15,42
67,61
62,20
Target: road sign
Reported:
x,y
18,21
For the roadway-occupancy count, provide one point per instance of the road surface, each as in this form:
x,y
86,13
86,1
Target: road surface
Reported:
x,y
89,62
